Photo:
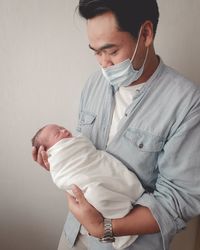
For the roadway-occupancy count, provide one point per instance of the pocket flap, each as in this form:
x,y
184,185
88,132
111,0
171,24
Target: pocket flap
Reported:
x,y
144,141
87,118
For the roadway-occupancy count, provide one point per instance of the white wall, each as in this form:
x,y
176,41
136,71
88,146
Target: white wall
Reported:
x,y
178,36
44,62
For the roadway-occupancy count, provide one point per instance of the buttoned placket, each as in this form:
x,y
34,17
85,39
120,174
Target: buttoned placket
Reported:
x,y
108,114
128,114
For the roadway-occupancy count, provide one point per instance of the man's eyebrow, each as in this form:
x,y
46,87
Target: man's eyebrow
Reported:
x,y
106,46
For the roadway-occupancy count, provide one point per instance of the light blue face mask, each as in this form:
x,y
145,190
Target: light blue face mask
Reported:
x,y
123,74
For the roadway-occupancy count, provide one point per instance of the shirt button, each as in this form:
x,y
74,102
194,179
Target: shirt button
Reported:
x,y
141,145
126,115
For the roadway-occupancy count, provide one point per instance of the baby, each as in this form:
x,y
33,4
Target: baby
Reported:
x,y
107,184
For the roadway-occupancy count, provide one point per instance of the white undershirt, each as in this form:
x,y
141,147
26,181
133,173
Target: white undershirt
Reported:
x,y
123,98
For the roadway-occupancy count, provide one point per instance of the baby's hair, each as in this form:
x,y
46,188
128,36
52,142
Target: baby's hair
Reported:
x,y
35,140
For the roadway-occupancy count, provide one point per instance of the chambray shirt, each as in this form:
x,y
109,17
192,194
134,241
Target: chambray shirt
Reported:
x,y
158,139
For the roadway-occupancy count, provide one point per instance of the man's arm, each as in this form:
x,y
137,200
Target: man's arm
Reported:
x,y
138,221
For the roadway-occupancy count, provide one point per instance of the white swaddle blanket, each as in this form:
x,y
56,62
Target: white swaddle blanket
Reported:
x,y
107,184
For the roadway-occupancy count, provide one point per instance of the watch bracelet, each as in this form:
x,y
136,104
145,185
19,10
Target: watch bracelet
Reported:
x,y
108,233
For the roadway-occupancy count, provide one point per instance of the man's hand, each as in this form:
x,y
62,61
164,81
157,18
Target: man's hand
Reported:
x,y
85,213
41,157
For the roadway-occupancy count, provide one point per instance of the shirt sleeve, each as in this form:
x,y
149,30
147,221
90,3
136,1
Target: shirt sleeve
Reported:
x,y
176,197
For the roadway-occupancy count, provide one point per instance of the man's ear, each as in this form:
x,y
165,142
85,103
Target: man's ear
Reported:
x,y
147,33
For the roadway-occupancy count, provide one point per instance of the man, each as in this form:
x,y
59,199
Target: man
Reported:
x,y
147,116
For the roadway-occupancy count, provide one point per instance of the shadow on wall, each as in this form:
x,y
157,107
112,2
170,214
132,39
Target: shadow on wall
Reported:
x,y
198,237
33,232
28,237
188,239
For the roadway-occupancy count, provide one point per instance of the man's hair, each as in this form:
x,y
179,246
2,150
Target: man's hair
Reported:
x,y
35,140
130,14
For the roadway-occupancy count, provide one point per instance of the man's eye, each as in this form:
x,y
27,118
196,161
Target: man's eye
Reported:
x,y
97,53
113,52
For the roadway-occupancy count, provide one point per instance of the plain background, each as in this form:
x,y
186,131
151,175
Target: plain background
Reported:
x,y
44,63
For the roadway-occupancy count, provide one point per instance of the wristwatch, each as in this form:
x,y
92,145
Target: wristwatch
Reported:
x,y
108,232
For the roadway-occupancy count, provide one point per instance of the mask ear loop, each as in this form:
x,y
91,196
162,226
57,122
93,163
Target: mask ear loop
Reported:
x,y
137,44
145,59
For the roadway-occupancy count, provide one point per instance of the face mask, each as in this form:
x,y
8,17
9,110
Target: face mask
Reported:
x,y
123,74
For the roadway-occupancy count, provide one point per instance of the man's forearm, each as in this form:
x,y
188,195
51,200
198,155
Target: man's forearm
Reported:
x,y
139,221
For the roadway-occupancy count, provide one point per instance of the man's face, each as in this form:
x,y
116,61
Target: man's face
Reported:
x,y
53,133
111,46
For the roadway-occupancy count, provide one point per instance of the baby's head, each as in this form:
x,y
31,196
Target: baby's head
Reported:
x,y
50,135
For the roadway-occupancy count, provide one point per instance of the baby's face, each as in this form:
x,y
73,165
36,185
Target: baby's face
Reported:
x,y
53,133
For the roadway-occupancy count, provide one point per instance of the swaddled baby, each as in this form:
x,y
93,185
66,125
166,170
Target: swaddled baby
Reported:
x,y
107,184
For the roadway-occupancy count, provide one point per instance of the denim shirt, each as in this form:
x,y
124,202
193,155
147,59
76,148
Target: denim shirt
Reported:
x,y
158,139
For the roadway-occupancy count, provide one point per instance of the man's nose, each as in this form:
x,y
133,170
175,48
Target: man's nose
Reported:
x,y
105,61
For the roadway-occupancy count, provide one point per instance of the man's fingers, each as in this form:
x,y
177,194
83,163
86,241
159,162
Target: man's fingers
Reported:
x,y
34,153
39,156
45,159
70,197
78,194
72,202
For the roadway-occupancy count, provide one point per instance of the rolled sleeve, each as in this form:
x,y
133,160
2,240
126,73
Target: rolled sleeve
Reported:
x,y
167,224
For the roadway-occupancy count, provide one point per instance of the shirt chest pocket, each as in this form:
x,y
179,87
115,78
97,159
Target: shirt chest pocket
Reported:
x,y
144,141
86,123
144,148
